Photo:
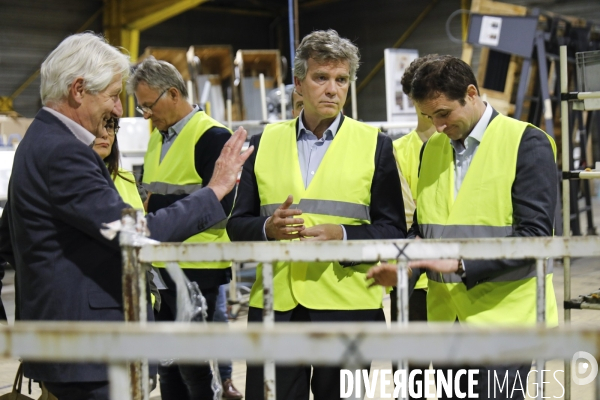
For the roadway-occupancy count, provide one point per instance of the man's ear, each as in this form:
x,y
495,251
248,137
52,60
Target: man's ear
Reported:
x,y
297,85
77,90
472,91
174,94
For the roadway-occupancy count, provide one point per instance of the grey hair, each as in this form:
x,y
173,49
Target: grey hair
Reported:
x,y
323,46
84,55
158,75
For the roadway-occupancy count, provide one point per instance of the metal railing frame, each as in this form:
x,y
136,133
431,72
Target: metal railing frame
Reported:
x,y
126,346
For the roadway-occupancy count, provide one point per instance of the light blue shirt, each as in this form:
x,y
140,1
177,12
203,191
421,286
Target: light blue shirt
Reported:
x,y
173,131
312,150
463,154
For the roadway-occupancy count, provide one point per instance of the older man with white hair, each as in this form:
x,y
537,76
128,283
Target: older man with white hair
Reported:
x,y
61,193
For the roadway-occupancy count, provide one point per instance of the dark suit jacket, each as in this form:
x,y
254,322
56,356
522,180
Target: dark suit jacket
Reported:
x,y
386,209
60,194
534,194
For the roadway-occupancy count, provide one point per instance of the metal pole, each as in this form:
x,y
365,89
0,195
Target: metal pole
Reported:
x,y
233,297
118,376
134,294
269,322
543,75
402,306
566,204
263,96
292,33
540,318
296,25
283,101
522,90
229,114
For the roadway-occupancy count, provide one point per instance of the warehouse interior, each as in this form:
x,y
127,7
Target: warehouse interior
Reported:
x,y
227,36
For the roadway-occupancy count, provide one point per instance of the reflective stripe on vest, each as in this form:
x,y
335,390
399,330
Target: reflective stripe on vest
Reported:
x,y
176,174
340,193
169,188
128,190
464,231
325,207
482,208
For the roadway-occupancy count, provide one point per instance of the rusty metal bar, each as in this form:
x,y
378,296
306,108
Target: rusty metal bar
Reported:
x,y
540,266
268,323
233,297
134,296
292,343
566,197
369,250
402,299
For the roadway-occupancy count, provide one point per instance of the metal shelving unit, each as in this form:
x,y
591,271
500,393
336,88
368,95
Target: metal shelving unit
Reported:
x,y
584,101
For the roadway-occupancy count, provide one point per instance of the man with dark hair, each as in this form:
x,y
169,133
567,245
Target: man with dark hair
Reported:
x,y
482,175
337,180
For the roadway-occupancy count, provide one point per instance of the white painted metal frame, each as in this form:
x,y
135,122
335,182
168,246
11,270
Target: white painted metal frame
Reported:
x,y
119,344
585,101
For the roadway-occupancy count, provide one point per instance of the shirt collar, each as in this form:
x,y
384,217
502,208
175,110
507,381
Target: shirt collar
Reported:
x,y
178,126
478,130
333,128
78,131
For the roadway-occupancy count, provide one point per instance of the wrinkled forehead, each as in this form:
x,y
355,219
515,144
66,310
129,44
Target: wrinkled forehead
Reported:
x,y
329,63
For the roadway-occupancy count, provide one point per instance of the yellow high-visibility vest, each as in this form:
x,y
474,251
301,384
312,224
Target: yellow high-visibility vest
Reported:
x,y
482,208
408,150
177,174
128,190
340,193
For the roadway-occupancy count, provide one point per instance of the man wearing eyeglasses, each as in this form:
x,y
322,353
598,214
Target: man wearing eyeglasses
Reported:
x,y
180,160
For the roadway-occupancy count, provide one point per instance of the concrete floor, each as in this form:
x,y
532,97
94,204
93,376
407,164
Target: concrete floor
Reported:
x,y
585,279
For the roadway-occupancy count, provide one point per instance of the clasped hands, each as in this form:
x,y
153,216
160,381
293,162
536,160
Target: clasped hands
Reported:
x,y
285,224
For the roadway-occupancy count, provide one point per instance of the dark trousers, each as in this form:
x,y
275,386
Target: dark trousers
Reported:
x,y
294,382
417,311
79,390
485,387
185,382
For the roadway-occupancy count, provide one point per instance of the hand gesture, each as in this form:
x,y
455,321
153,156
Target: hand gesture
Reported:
x,y
383,275
282,225
229,164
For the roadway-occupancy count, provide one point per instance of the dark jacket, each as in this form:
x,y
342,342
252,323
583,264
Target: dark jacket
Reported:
x,y
60,194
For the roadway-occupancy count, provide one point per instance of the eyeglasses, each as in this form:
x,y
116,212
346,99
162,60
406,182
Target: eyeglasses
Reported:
x,y
113,131
148,110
